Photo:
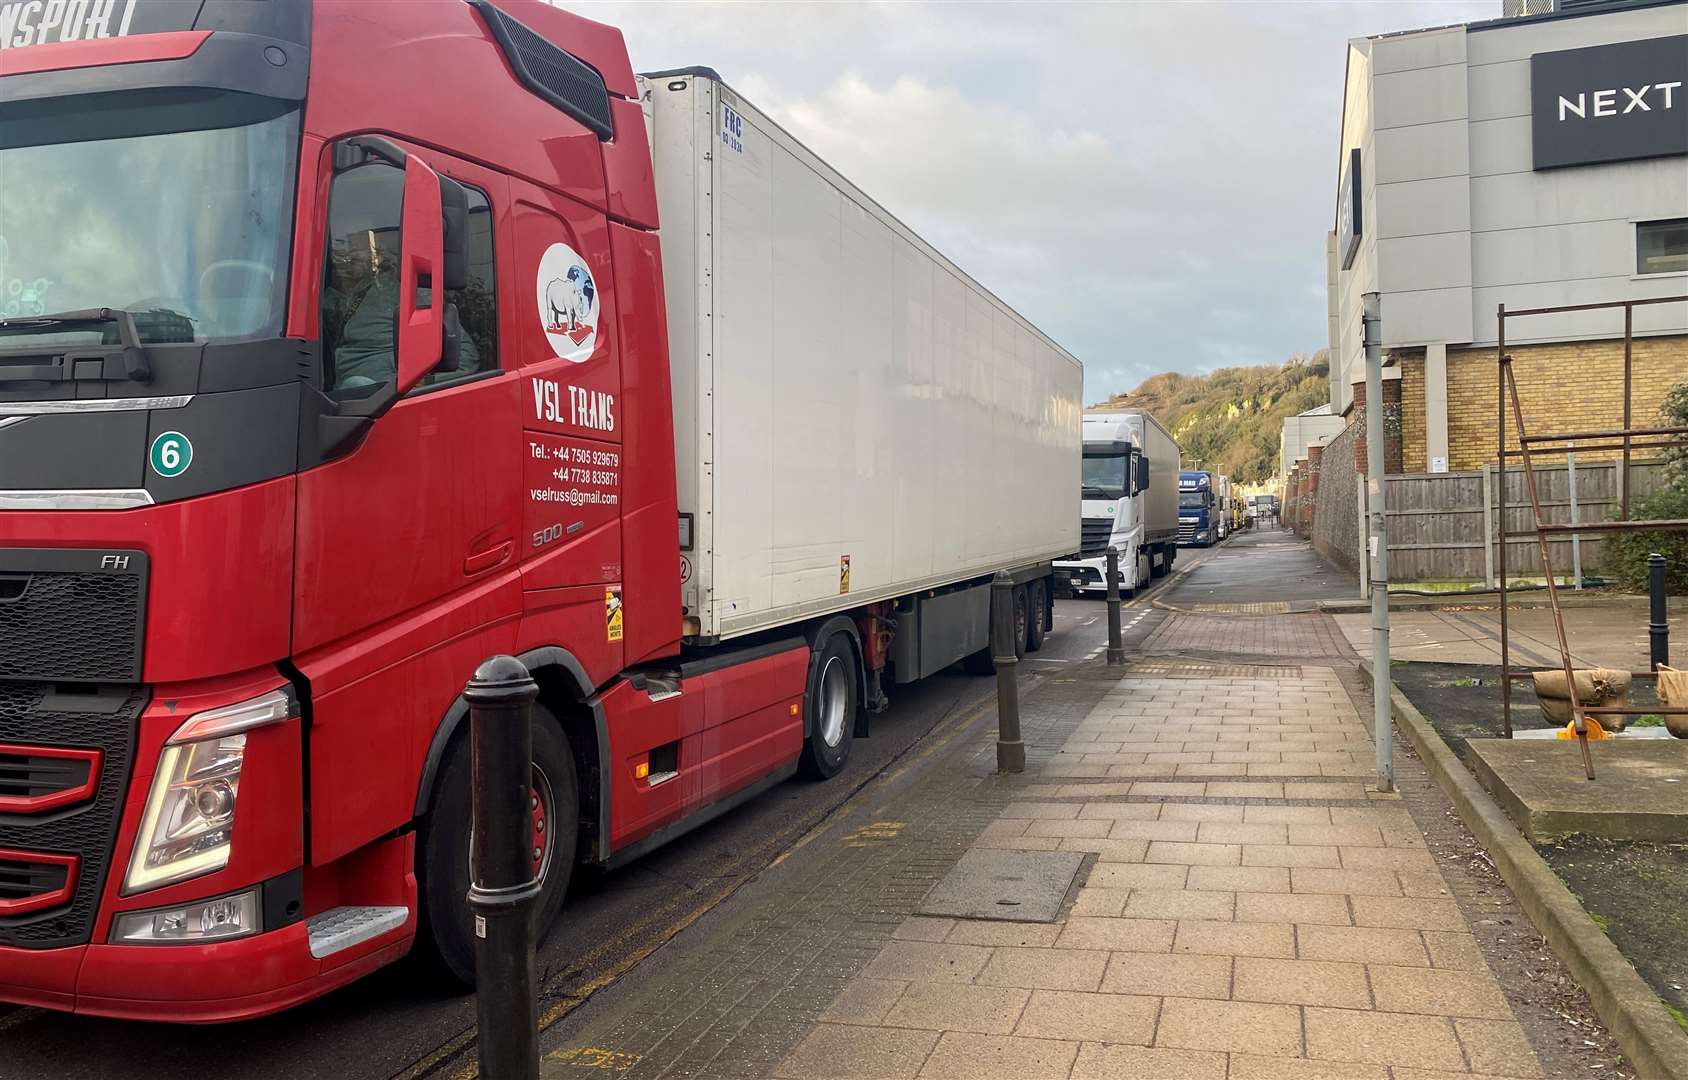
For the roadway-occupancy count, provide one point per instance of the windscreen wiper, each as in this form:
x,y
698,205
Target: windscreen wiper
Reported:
x,y
65,367
1088,488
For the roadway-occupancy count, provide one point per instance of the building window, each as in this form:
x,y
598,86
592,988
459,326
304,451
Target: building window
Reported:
x,y
1661,247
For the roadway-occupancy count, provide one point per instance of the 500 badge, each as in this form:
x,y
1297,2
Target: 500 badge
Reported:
x,y
171,454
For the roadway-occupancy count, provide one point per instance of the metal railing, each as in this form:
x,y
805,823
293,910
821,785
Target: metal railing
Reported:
x,y
1618,439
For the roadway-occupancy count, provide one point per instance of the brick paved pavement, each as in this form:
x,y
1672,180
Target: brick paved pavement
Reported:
x,y
1248,910
748,986
1302,636
1245,928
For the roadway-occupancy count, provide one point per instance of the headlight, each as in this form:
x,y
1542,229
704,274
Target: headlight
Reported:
x,y
197,923
188,825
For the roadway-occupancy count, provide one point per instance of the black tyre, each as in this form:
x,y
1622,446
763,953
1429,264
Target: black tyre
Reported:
x,y
830,702
1034,623
445,938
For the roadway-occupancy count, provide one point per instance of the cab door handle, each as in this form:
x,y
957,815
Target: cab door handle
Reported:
x,y
482,561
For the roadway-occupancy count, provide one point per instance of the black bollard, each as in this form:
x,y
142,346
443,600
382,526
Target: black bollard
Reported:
x,y
1658,625
1116,637
502,885
1010,751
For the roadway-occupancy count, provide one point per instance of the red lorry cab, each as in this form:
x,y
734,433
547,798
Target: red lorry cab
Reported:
x,y
388,392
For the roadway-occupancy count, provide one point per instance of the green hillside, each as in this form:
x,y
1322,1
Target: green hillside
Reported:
x,y
1229,421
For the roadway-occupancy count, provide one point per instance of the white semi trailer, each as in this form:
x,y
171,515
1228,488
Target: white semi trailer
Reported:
x,y
861,429
1130,501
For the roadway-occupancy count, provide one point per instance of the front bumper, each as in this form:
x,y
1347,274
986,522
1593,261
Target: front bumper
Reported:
x,y
196,984
1091,573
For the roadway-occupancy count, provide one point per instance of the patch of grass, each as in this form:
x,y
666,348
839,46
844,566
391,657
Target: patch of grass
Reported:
x,y
1602,922
1650,720
1676,1014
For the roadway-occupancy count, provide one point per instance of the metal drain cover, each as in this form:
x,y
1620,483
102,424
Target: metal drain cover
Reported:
x,y
1014,886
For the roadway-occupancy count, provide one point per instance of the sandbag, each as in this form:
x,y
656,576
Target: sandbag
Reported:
x,y
1595,686
1673,687
1556,711
1673,694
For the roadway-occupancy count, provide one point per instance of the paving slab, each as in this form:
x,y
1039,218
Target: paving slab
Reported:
x,y
1640,790
1018,886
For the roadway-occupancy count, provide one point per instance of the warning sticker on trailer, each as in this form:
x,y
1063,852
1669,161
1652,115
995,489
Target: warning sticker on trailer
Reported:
x,y
843,574
613,613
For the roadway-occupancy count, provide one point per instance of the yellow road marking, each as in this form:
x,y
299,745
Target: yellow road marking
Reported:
x,y
879,830
596,1057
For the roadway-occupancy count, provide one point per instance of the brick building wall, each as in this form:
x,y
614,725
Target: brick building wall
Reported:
x,y
1415,455
1393,451
1570,386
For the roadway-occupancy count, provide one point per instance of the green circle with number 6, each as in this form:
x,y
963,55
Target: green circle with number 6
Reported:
x,y
171,454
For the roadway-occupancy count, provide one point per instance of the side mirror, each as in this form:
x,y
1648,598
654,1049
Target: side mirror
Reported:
x,y
421,315
1142,473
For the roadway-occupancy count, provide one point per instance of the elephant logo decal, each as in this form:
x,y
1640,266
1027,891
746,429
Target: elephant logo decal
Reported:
x,y
568,303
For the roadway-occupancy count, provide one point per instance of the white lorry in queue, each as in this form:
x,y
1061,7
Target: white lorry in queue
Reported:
x,y
1130,502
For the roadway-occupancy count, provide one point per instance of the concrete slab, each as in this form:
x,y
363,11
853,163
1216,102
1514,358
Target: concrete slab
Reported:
x,y
1014,886
1601,634
1640,791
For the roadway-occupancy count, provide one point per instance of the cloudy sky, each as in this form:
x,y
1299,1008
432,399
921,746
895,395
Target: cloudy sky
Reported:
x,y
1149,183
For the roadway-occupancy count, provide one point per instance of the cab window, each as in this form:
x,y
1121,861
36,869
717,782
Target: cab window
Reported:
x,y
477,301
360,285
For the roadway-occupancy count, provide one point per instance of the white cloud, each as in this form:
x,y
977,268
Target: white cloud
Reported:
x,y
1150,183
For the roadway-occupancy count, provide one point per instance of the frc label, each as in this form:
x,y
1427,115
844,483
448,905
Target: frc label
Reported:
x,y
43,22
732,129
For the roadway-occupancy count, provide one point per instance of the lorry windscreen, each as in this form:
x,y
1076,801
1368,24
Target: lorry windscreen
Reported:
x,y
1193,500
174,206
1104,477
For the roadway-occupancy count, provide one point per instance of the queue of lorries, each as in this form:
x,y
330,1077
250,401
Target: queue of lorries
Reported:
x,y
400,371
1139,501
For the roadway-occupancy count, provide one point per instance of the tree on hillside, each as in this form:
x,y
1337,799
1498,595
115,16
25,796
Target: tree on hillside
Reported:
x,y
1230,419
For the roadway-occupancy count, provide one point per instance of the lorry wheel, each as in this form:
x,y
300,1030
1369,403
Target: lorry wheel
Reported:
x,y
830,702
445,935
1034,623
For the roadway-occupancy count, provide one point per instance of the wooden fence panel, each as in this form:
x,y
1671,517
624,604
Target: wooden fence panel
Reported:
x,y
1437,521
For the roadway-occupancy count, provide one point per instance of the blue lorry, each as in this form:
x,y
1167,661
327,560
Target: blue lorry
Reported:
x,y
1198,511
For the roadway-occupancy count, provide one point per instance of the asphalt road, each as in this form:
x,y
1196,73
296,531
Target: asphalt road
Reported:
x,y
394,1025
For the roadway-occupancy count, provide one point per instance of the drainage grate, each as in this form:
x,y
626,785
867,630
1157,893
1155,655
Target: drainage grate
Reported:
x,y
1170,667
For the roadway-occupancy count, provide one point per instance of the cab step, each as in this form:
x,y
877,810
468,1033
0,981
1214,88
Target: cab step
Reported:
x,y
340,928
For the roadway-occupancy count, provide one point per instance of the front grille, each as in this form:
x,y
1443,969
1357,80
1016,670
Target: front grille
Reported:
x,y
34,780
1186,532
31,882
36,716
1093,534
71,616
